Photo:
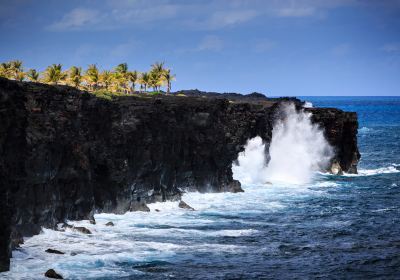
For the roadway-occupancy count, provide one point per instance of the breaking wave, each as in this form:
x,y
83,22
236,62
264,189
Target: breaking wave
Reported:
x,y
297,151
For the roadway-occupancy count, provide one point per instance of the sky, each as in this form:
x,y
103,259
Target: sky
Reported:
x,y
277,47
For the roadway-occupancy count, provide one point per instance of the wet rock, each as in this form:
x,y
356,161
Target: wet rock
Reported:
x,y
82,230
139,206
157,210
92,221
110,224
53,251
336,168
16,239
73,254
52,274
234,187
184,205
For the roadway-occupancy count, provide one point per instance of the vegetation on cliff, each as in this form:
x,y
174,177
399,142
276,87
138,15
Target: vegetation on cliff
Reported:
x,y
118,81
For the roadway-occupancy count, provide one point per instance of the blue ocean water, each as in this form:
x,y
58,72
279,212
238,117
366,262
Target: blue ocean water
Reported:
x,y
340,227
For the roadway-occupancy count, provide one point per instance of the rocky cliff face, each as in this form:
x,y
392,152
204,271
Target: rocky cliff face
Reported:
x,y
65,154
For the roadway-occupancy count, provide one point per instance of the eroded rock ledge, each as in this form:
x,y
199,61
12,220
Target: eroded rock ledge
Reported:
x,y
65,154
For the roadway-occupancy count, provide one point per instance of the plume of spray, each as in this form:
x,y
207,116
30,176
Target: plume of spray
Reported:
x,y
297,150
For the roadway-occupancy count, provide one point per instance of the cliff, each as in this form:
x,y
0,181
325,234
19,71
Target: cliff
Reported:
x,y
65,154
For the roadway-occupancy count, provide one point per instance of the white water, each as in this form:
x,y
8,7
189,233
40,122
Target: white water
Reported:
x,y
298,149
172,234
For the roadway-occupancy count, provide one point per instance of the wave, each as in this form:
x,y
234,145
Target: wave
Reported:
x,y
308,104
377,171
364,130
298,149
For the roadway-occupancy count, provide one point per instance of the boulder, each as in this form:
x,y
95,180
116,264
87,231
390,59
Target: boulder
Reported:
x,y
82,230
139,206
184,205
52,274
110,224
52,251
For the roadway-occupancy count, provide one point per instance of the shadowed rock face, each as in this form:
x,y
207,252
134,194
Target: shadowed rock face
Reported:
x,y
65,154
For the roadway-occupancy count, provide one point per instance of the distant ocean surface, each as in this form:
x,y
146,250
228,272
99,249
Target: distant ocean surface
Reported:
x,y
333,227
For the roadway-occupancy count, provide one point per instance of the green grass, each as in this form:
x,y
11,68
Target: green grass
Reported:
x,y
107,94
155,93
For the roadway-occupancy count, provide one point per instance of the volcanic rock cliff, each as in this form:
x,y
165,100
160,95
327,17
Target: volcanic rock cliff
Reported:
x,y
65,154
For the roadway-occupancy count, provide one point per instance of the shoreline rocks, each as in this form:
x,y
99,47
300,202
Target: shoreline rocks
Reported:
x,y
52,274
184,205
53,251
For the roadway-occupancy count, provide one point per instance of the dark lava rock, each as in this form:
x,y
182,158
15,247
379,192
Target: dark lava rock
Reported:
x,y
234,187
110,224
52,251
52,274
82,230
16,239
65,154
184,205
139,206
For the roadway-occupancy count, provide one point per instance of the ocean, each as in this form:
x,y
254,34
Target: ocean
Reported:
x,y
322,226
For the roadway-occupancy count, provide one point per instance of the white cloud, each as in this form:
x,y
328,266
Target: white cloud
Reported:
x,y
205,14
391,48
222,19
296,12
211,43
76,19
145,14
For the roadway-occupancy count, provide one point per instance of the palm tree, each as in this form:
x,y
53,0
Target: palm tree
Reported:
x,y
168,78
33,75
144,80
16,70
122,72
92,76
106,79
54,74
118,82
156,75
122,68
132,78
19,76
75,76
155,80
5,70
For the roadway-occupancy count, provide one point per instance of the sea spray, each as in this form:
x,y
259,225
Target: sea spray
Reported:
x,y
251,165
297,150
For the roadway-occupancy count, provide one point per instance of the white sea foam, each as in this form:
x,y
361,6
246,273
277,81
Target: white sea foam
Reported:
x,y
298,150
377,171
307,104
364,130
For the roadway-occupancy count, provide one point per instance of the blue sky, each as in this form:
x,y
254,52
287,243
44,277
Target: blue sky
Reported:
x,y
277,47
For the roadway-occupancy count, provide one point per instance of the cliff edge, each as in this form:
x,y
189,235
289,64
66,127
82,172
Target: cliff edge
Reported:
x,y
65,154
